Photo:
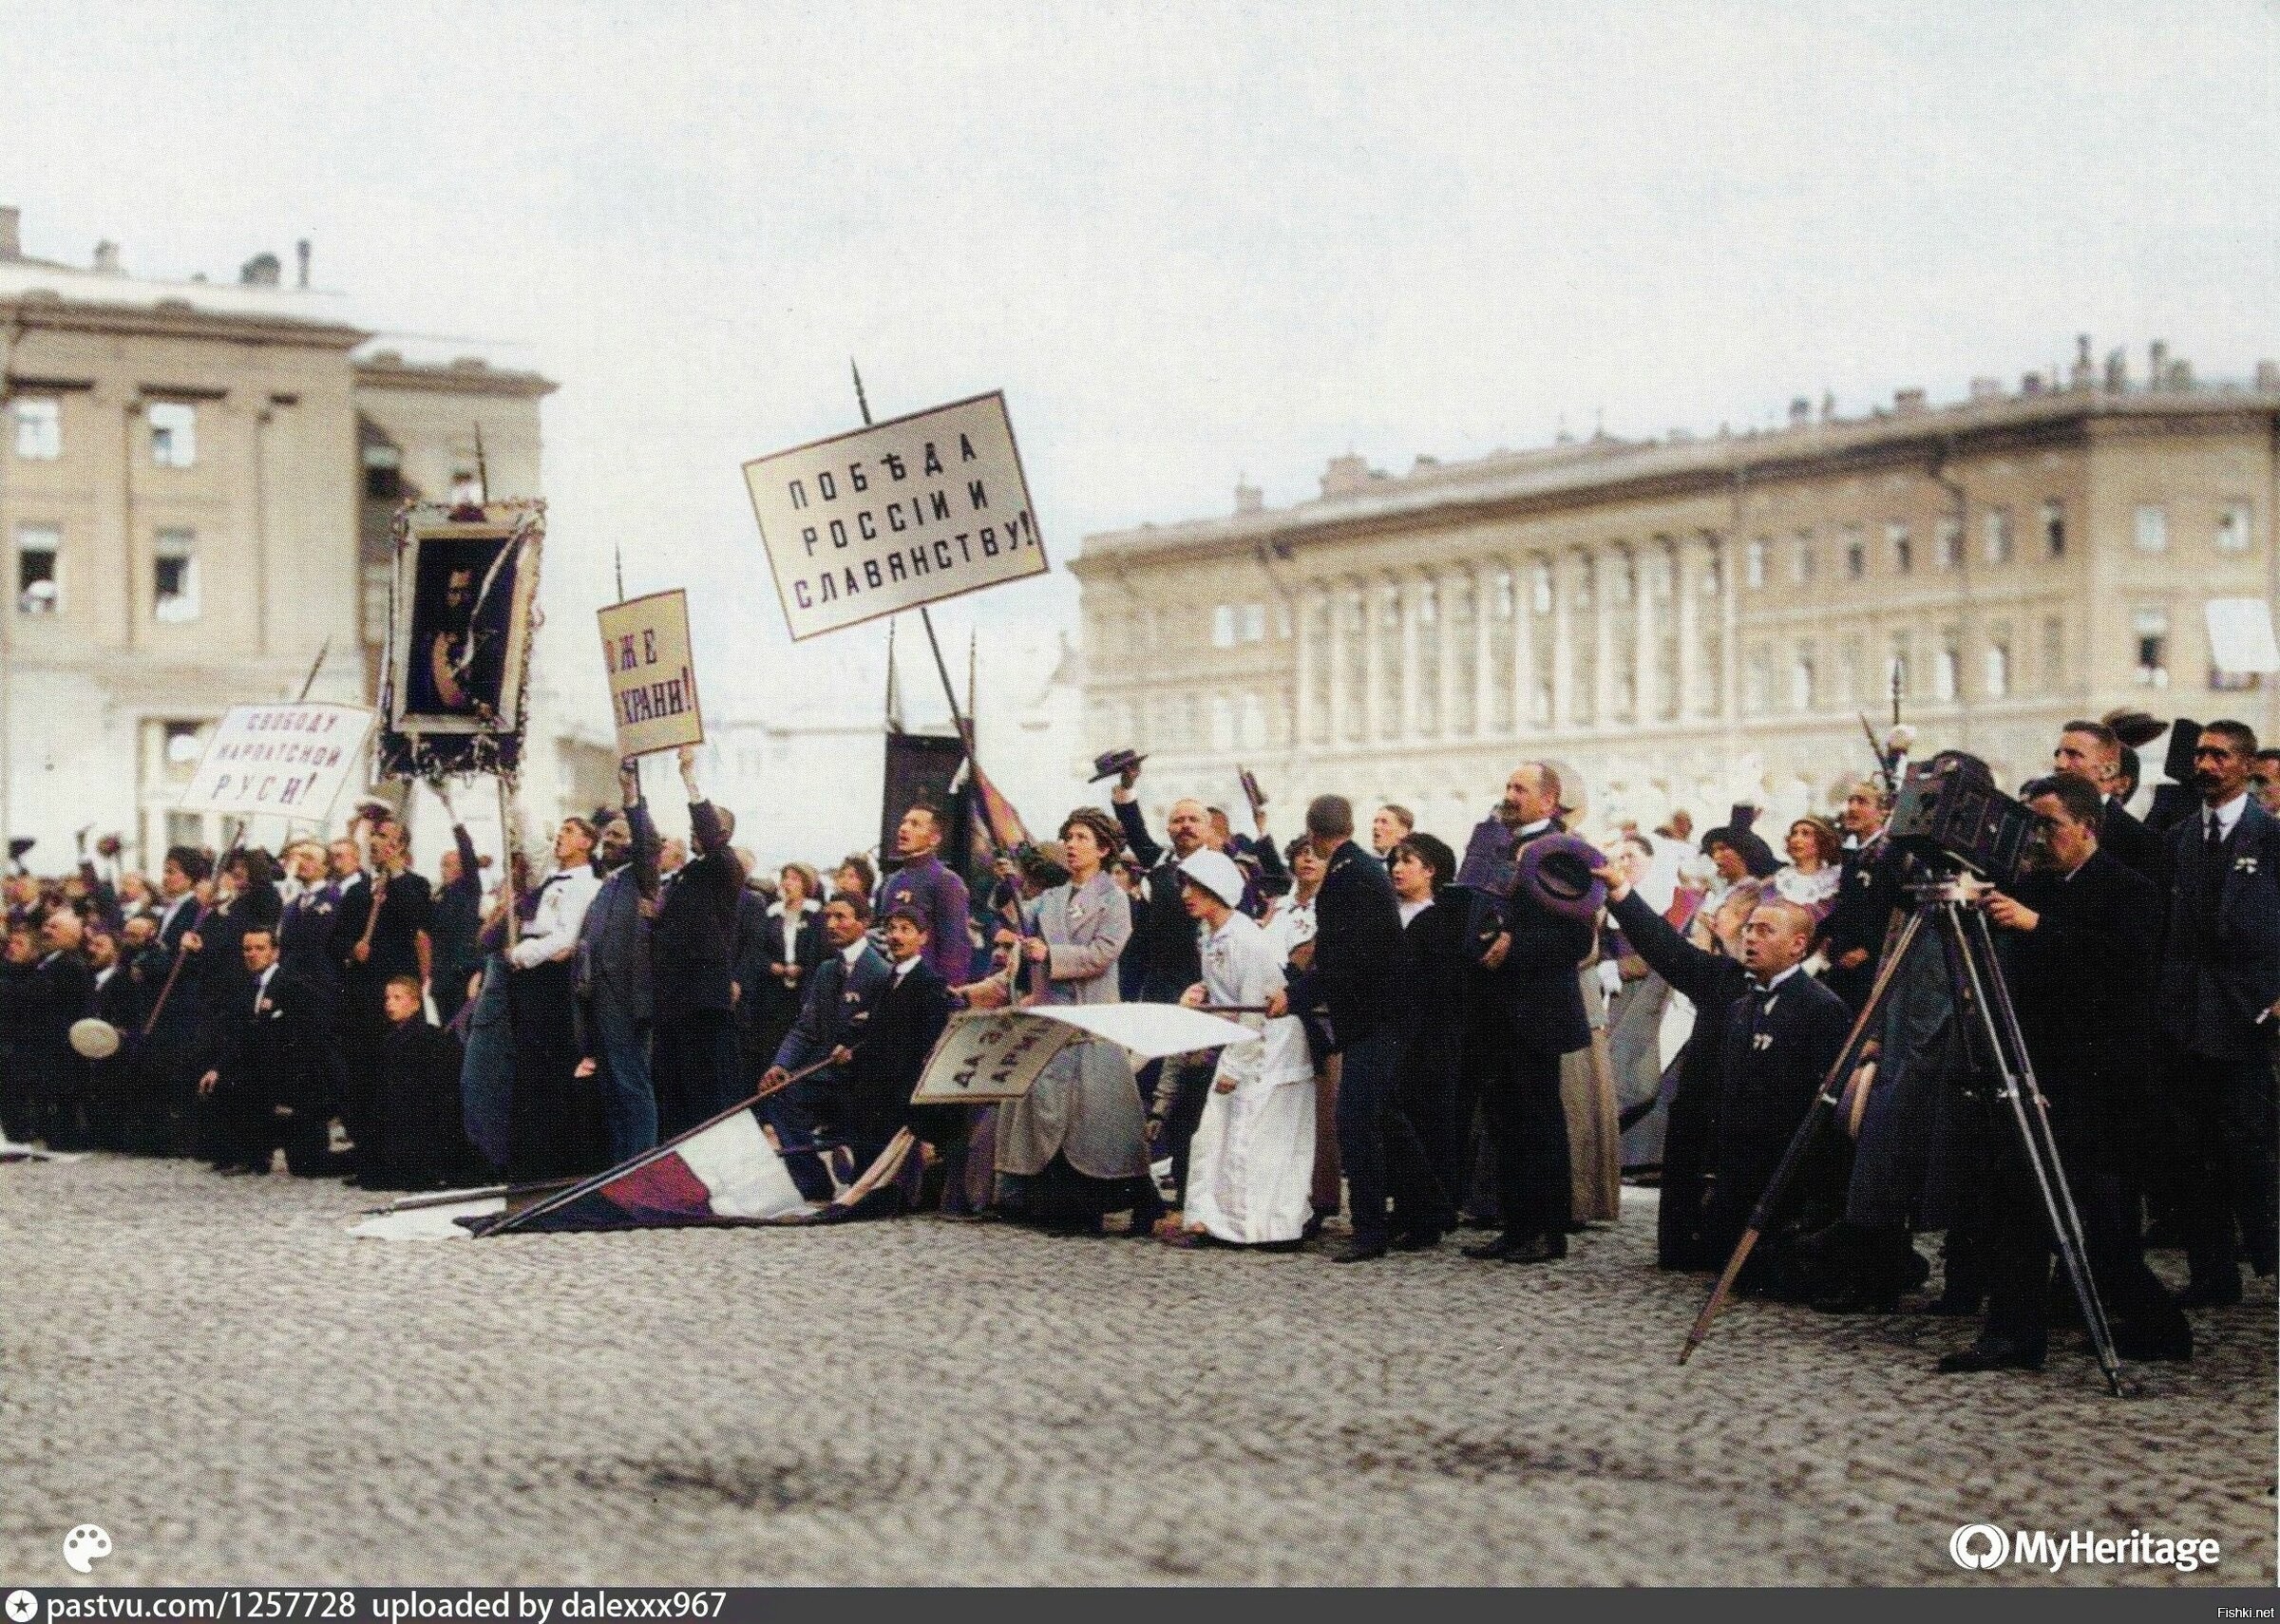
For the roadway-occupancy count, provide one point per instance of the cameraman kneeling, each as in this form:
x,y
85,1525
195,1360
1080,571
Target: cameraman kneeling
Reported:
x,y
2082,961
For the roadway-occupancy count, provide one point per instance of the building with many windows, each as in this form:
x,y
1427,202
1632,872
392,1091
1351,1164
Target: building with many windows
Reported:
x,y
195,483
1691,622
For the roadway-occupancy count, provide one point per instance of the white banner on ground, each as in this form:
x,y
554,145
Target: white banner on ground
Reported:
x,y
653,678
2240,635
894,516
986,1055
285,761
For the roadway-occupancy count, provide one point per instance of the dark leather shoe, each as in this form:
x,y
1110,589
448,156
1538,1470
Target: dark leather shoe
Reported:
x,y
2221,1290
1415,1240
1544,1249
1358,1252
1992,1353
1495,1250
1856,1298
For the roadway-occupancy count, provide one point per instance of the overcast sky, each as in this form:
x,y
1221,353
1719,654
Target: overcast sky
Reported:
x,y
1188,241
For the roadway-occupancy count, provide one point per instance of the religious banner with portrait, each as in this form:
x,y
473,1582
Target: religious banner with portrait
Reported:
x,y
895,516
463,597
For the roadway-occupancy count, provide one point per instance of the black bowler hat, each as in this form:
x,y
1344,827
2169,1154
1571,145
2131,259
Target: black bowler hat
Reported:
x,y
1556,871
1114,763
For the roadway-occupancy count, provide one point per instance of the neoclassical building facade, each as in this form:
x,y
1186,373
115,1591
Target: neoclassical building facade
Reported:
x,y
1695,622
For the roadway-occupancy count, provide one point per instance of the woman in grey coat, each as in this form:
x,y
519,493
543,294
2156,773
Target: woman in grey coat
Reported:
x,y
1075,1148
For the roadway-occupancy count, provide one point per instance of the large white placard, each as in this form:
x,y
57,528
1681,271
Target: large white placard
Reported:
x,y
285,761
894,516
2240,635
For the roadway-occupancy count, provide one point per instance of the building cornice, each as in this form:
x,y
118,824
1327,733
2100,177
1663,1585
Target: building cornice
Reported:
x,y
1508,488
173,318
456,378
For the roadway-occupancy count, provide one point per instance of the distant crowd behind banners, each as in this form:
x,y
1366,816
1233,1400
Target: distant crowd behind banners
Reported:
x,y
895,516
653,678
283,761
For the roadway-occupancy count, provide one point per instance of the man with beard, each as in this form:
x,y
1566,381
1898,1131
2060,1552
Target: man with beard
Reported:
x,y
927,886
1531,1011
696,1063
116,1000
2220,1002
613,975
2081,936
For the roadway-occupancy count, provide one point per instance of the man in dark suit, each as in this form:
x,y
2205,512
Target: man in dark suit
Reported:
x,y
1867,892
613,975
1531,1011
1713,982
61,991
1780,1037
692,955
2220,987
457,917
2092,752
380,930
264,1082
1357,933
2080,954
832,1016
906,1015
172,985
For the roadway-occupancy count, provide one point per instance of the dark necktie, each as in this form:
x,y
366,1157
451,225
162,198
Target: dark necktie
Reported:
x,y
2215,841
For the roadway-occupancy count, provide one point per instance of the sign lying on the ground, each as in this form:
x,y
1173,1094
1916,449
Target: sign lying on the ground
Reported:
x,y
996,1054
286,761
894,516
653,679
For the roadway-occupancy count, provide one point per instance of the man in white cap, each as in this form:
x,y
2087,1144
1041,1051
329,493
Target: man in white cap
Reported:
x,y
1251,1162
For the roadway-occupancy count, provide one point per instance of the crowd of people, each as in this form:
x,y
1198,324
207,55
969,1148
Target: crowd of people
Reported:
x,y
1443,1041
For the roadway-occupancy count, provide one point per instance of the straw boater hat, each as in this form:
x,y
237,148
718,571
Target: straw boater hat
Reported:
x,y
1216,873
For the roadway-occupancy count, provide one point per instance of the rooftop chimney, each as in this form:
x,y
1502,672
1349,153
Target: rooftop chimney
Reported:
x,y
300,251
1987,389
2156,369
2084,374
262,271
1800,411
1346,474
106,259
2117,371
12,232
1248,498
1906,403
2030,384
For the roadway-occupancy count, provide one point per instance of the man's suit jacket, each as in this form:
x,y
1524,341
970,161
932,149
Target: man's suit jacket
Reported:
x,y
2080,982
1710,980
1776,1051
1867,891
2122,836
1357,933
1434,965
907,1016
61,991
835,1010
613,958
1164,939
693,951
2222,957
1539,982
270,1052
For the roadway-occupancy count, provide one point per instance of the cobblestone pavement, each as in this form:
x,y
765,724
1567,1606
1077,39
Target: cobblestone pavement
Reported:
x,y
239,1391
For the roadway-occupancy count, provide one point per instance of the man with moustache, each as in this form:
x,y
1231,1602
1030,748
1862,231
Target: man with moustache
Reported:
x,y
1164,946
1531,1006
833,1017
1867,892
612,973
61,991
2220,1002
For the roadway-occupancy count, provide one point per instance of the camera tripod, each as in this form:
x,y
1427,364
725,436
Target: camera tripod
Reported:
x,y
1948,904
